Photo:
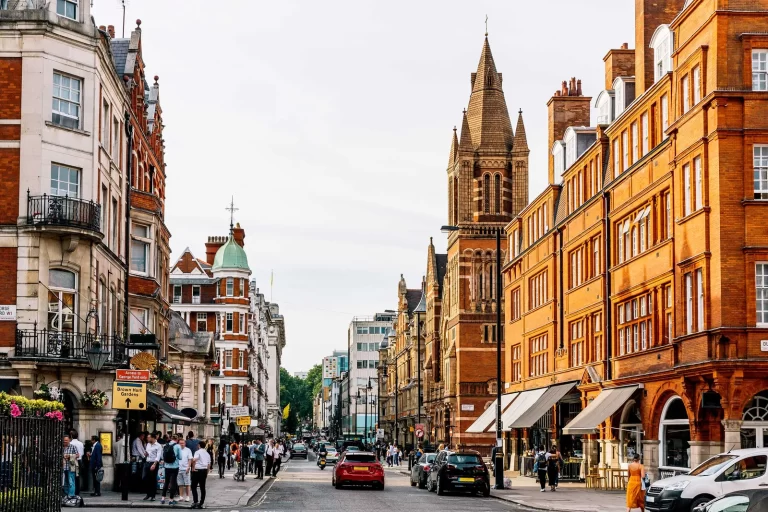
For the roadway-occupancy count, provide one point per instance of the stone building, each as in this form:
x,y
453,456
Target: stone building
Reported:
x,y
634,302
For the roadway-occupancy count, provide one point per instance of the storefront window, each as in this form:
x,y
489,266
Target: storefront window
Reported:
x,y
676,434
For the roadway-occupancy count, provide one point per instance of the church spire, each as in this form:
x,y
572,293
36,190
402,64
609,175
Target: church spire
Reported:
x,y
520,142
465,143
488,117
454,149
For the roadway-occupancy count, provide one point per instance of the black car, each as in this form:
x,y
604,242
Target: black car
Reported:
x,y
459,471
299,451
751,500
420,470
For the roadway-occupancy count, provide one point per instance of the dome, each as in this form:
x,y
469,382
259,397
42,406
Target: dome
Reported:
x,y
230,256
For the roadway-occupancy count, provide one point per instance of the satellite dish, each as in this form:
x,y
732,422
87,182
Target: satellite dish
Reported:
x,y
189,412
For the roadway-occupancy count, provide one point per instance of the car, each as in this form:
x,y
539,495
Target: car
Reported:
x,y
299,451
352,446
456,471
358,468
333,455
736,470
420,470
754,500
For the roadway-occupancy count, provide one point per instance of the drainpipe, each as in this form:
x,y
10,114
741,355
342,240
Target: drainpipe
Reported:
x,y
607,293
129,183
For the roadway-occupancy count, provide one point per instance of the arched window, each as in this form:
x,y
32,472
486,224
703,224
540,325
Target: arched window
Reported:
x,y
487,193
754,430
661,42
675,435
630,433
62,306
497,193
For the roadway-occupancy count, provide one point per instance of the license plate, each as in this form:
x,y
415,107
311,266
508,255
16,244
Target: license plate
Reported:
x,y
650,499
360,468
466,479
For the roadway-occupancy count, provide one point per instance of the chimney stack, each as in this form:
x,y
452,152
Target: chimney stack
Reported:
x,y
239,235
111,31
213,244
568,107
649,14
618,63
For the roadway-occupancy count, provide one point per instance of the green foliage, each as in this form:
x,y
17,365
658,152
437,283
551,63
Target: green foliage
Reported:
x,y
315,379
29,407
300,393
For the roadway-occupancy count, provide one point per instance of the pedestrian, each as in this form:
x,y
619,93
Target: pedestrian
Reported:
x,y
80,458
232,451
154,454
222,457
398,452
184,478
209,447
269,456
258,451
70,467
96,465
552,468
192,443
138,449
636,485
118,450
201,464
171,456
277,455
540,467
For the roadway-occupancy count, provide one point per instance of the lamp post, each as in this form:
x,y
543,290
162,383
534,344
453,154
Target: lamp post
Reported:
x,y
498,461
420,308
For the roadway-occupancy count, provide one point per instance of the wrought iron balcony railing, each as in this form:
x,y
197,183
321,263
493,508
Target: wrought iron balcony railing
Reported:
x,y
70,346
64,211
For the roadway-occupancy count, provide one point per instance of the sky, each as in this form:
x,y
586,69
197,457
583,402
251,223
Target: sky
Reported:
x,y
330,124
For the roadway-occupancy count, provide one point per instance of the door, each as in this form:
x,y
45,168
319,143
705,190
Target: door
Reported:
x,y
746,473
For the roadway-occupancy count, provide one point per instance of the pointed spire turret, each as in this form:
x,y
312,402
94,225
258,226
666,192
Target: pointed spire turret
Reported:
x,y
465,143
454,149
520,142
488,117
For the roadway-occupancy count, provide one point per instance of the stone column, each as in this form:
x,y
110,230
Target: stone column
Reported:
x,y
27,377
732,434
702,450
200,377
651,457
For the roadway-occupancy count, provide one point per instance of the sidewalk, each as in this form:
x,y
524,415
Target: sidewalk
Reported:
x,y
220,492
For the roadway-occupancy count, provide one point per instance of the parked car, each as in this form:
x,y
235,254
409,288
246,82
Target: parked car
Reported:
x,y
737,470
420,470
462,471
752,500
299,451
358,468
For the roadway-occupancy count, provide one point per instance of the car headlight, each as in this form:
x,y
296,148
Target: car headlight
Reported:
x,y
677,486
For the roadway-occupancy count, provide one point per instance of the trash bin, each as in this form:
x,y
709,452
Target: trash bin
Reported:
x,y
123,474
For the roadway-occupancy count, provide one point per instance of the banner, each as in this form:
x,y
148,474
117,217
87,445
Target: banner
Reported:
x,y
286,411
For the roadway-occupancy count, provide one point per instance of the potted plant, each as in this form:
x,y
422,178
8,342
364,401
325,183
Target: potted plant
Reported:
x,y
96,399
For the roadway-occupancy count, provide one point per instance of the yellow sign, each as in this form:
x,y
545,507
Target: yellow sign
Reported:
x,y
105,438
243,421
244,430
129,395
410,429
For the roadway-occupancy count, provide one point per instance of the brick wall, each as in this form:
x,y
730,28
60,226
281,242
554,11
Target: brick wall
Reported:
x,y
8,258
9,185
10,88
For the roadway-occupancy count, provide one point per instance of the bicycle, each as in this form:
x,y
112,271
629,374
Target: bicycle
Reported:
x,y
239,475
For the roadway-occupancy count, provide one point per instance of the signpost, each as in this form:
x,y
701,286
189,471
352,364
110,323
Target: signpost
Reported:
x,y
130,396
132,375
239,411
243,421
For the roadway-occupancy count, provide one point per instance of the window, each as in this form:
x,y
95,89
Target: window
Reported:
x,y
538,289
140,242
700,299
139,320
241,362
176,294
242,287
686,94
598,337
497,193
489,333
616,158
696,85
760,169
514,243
688,303
228,393
242,323
487,193
62,306
230,322
115,140
644,128
635,143
761,289
230,290
664,113
67,8
577,343
105,117
635,324
661,42
595,256
228,359
202,322
538,355
668,213
66,100
517,373
669,331
625,150
686,189
675,434
195,294
65,181
699,182
114,230
760,70
516,304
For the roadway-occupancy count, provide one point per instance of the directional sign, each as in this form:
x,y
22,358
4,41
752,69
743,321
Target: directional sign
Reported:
x,y
419,433
243,421
238,411
244,429
129,395
132,375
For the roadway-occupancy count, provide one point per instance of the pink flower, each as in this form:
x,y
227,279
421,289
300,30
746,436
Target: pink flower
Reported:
x,y
15,411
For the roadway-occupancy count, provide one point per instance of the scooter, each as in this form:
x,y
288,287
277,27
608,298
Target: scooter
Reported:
x,y
321,462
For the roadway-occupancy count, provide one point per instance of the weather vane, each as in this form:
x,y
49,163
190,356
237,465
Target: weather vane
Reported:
x,y
231,209
486,25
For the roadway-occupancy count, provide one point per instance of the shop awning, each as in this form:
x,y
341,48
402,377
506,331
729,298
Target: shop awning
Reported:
x,y
606,403
528,409
171,414
488,418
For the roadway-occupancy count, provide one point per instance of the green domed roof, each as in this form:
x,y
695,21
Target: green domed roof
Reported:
x,y
230,255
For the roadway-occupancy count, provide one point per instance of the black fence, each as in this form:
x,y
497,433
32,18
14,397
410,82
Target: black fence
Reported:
x,y
74,346
63,211
31,463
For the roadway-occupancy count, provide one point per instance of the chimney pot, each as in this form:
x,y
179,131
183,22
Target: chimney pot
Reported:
x,y
111,30
625,46
578,88
138,23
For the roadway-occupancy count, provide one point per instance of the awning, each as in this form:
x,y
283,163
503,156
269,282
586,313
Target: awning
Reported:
x,y
606,403
171,414
488,418
531,405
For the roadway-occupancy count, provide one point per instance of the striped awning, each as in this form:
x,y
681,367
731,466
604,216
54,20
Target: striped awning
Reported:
x,y
488,419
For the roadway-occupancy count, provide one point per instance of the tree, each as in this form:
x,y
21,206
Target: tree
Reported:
x,y
314,379
298,393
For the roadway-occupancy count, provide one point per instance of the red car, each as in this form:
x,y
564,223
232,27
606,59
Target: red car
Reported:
x,y
358,468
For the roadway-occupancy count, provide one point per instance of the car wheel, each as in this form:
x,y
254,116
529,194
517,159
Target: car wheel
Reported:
x,y
440,490
338,484
700,500
380,487
487,491
422,483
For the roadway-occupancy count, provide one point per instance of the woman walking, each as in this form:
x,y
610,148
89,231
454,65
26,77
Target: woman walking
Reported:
x,y
635,491
222,457
553,463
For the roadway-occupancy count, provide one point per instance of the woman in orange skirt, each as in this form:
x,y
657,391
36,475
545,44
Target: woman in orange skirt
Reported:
x,y
635,492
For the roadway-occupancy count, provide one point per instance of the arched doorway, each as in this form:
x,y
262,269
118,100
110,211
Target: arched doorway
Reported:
x,y
630,432
675,435
70,405
754,429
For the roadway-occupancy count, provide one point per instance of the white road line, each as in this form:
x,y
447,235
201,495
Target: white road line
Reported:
x,y
264,496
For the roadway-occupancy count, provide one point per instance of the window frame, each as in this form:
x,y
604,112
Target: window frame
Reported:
x,y
229,287
761,284
67,3
760,171
760,76
69,170
78,104
146,242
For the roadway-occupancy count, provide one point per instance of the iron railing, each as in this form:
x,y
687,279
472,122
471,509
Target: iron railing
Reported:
x,y
48,344
65,211
31,463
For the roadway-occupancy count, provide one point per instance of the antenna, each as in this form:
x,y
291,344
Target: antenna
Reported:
x,y
232,211
486,25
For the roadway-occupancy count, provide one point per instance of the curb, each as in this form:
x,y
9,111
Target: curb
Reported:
x,y
536,506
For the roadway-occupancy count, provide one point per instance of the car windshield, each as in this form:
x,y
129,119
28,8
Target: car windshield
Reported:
x,y
330,449
712,466
428,458
360,457
299,447
353,449
464,458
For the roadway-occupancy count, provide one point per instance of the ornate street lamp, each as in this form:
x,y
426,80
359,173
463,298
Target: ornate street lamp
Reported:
x,y
95,353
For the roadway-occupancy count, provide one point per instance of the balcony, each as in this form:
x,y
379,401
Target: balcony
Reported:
x,y
64,214
59,346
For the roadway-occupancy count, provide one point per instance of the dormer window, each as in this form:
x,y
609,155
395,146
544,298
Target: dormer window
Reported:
x,y
570,148
661,42
605,107
624,90
558,153
67,8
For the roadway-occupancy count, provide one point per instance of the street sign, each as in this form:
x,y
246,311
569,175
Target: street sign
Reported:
x,y
244,429
420,426
132,375
243,421
419,433
239,411
129,396
419,430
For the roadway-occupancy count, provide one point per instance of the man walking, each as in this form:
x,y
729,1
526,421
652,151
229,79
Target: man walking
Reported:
x,y
258,455
171,456
222,457
270,456
185,470
191,442
154,453
201,463
96,464
70,467
80,453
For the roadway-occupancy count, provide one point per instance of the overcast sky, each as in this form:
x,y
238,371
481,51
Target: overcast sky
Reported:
x,y
330,123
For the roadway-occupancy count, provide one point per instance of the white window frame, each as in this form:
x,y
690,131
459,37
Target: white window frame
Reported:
x,y
760,70
196,294
699,182
230,287
686,93
116,139
689,303
139,316
105,122
625,150
664,113
686,189
228,357
760,171
241,319
616,157
201,317
67,189
700,299
662,42
696,74
138,241
241,359
242,287
177,296
62,5
68,96
635,142
761,293
645,133
229,322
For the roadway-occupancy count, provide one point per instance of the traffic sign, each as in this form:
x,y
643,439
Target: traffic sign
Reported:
x,y
244,429
243,421
239,411
129,396
132,375
419,433
419,430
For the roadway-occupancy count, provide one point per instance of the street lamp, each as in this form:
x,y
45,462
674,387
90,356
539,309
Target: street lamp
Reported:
x,y
95,353
420,308
498,461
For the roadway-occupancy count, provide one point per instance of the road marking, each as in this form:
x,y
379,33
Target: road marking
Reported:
x,y
264,496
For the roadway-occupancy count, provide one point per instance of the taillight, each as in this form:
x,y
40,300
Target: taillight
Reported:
x,y
427,467
450,466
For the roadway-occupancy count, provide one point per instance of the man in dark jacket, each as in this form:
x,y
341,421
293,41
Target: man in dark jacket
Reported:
x,y
96,464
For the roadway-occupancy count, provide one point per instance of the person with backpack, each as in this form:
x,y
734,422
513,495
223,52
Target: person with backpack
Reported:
x,y
171,457
540,467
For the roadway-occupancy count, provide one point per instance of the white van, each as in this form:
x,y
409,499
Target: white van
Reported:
x,y
736,470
